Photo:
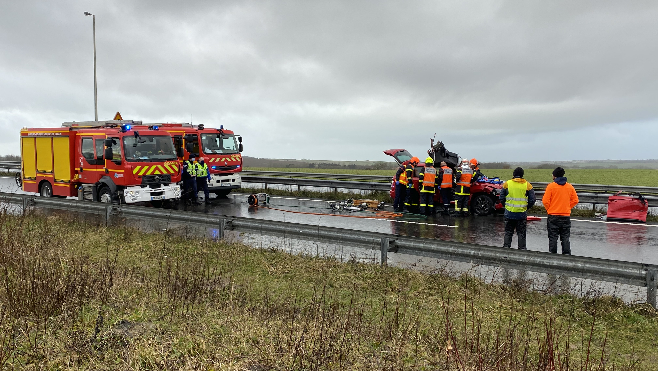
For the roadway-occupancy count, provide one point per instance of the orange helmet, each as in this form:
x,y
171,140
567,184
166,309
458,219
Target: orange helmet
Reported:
x,y
474,162
415,160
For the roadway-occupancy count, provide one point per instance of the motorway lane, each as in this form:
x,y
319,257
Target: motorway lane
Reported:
x,y
593,238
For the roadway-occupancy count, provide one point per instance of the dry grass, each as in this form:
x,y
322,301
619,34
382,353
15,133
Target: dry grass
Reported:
x,y
80,296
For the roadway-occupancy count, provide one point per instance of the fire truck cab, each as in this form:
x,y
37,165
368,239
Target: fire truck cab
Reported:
x,y
107,161
220,149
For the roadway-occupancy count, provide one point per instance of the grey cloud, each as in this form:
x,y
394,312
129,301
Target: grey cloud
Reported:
x,y
312,79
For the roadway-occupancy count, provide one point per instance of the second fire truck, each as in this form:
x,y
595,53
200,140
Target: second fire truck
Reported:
x,y
221,149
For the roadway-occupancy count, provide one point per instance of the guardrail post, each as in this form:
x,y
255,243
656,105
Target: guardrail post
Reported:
x,y
24,205
221,227
651,286
384,243
108,214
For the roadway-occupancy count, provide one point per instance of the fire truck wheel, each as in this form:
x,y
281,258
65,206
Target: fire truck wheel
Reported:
x,y
19,180
482,204
46,190
105,195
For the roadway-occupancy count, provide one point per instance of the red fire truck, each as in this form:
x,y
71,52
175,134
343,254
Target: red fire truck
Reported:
x,y
111,161
484,192
220,149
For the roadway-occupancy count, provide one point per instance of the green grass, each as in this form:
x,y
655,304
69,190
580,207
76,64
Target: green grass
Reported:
x,y
628,177
78,296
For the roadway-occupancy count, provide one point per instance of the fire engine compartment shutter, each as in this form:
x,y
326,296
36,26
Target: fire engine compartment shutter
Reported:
x,y
44,155
28,157
61,151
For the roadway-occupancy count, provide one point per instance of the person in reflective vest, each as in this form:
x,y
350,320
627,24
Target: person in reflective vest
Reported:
x,y
412,197
400,188
202,178
464,178
427,184
517,196
446,178
189,180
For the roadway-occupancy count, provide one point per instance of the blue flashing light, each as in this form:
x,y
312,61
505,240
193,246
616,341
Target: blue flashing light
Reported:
x,y
156,127
214,167
125,128
237,166
221,127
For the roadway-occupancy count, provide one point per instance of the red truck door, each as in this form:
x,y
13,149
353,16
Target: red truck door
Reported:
x,y
88,165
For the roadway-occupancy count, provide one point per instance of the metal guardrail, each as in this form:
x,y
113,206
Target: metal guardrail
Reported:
x,y
587,193
636,274
10,165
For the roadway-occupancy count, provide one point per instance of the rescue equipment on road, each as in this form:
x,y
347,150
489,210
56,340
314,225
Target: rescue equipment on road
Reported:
x,y
258,199
633,207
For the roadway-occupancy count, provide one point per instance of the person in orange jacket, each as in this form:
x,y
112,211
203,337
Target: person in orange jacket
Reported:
x,y
559,198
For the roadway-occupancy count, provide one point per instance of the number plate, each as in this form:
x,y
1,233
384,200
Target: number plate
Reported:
x,y
155,198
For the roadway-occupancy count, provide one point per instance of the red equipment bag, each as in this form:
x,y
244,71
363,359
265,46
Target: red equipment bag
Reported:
x,y
628,207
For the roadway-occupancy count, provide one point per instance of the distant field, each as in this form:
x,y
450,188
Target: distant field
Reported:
x,y
629,177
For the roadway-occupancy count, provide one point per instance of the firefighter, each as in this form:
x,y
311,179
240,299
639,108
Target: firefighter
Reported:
x,y
400,188
411,200
446,177
475,165
189,180
427,185
464,178
202,178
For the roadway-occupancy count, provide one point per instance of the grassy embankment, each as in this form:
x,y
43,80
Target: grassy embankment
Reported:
x,y
79,296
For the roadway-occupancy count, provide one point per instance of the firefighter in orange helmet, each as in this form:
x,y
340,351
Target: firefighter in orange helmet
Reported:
x,y
475,165
412,197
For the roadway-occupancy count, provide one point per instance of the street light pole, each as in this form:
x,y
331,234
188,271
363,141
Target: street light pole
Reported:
x,y
93,17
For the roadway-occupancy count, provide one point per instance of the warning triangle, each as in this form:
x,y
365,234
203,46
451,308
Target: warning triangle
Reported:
x,y
117,117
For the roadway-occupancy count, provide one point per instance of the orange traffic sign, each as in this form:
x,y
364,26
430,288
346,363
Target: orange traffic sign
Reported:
x,y
117,117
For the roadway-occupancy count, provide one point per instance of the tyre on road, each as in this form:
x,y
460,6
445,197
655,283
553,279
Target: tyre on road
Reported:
x,y
105,195
46,189
482,204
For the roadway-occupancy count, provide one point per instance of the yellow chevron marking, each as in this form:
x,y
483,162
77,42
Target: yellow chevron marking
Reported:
x,y
143,170
168,168
156,172
150,171
162,169
136,169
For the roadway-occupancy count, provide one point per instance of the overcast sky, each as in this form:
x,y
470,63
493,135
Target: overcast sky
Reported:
x,y
496,80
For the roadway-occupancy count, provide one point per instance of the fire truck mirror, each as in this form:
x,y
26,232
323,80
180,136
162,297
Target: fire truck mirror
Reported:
x,y
189,147
240,139
240,148
179,152
108,153
109,142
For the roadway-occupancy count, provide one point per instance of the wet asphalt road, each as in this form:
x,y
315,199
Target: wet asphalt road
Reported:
x,y
593,238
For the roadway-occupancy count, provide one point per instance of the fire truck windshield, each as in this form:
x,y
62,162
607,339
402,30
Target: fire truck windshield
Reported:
x,y
219,143
149,148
